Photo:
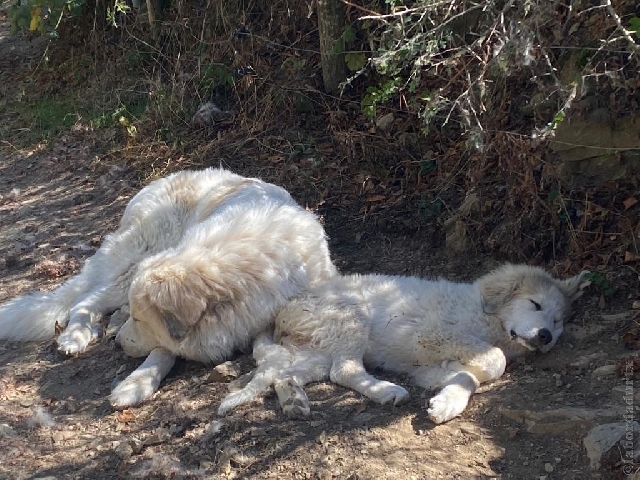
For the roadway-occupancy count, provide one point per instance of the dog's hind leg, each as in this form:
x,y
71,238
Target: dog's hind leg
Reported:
x,y
144,381
308,366
271,359
349,372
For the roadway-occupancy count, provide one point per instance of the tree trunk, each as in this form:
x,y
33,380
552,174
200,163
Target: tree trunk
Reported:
x,y
331,16
154,11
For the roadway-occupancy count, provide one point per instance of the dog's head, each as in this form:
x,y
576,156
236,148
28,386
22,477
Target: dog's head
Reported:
x,y
530,303
167,300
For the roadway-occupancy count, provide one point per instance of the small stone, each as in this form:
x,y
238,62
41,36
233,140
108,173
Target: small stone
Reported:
x,y
603,438
558,382
225,372
6,430
136,445
384,122
124,450
604,371
161,435
26,402
586,360
548,467
636,305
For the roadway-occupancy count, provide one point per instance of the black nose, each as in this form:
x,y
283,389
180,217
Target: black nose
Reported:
x,y
544,336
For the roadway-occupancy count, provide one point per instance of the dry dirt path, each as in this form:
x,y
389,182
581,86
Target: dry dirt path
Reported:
x,y
55,421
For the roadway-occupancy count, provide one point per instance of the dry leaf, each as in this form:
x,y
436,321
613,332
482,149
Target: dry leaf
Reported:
x,y
375,198
630,257
125,416
629,202
58,328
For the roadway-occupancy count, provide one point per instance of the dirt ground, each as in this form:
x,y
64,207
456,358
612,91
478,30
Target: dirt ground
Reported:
x,y
55,420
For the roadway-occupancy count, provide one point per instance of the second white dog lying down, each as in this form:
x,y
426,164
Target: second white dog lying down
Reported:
x,y
447,335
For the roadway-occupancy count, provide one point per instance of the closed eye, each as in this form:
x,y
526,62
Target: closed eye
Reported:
x,y
537,305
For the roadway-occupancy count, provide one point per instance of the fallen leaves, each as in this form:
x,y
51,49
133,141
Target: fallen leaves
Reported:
x,y
125,416
629,202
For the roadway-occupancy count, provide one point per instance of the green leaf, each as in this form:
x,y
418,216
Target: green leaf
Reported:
x,y
634,23
427,166
349,35
355,61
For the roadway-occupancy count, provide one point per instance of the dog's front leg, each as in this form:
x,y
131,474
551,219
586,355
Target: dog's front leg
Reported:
x,y
143,381
85,316
349,372
459,380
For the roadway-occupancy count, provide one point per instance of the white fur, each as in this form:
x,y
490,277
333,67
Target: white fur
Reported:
x,y
453,336
237,248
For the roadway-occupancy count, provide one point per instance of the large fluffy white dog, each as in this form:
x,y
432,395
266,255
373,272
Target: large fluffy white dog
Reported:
x,y
203,258
452,336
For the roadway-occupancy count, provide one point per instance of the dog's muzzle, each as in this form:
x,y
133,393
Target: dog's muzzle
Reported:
x,y
543,337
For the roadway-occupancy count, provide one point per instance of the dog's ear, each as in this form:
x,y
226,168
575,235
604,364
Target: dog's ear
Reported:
x,y
497,288
178,297
574,287
176,329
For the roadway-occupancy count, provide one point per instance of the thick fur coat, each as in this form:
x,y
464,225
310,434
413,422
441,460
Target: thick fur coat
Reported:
x,y
203,258
445,335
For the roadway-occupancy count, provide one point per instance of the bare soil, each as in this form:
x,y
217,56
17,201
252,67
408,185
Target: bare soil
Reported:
x,y
55,420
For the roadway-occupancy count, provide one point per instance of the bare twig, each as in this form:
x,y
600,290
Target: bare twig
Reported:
x,y
626,33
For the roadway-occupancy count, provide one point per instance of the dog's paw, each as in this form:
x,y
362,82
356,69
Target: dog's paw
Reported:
x,y
390,392
76,338
132,391
293,400
230,402
448,404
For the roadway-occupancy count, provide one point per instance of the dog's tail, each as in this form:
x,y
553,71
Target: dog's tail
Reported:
x,y
34,316
272,360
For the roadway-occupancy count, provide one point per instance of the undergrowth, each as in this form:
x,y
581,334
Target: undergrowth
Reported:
x,y
447,105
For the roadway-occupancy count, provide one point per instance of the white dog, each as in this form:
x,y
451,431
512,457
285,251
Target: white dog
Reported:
x,y
203,258
453,336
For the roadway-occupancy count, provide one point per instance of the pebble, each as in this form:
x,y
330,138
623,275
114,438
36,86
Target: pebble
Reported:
x,y
548,467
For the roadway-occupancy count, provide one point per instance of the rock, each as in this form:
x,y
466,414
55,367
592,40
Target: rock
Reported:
x,y
457,239
124,450
225,372
636,305
384,122
603,437
604,371
161,435
584,148
548,467
623,395
618,317
6,430
560,420
208,114
136,445
586,360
